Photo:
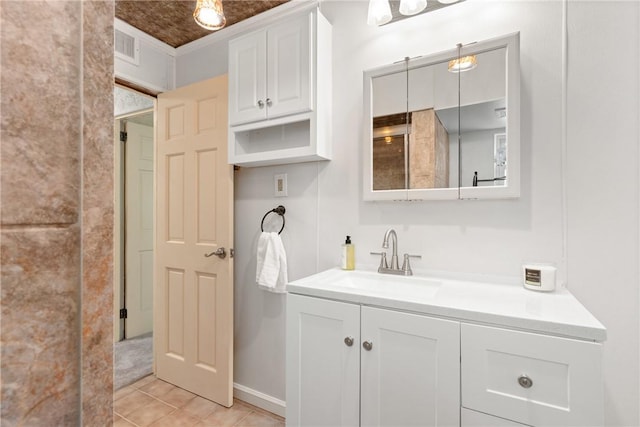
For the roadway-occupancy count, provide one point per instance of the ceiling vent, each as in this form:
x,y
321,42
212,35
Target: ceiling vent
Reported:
x,y
127,47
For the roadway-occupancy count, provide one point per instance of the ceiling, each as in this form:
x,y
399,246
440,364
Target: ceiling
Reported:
x,y
171,21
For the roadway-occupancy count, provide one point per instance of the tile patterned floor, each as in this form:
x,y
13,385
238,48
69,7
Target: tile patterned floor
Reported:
x,y
151,402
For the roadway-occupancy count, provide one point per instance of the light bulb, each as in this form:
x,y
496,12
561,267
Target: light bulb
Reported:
x,y
379,12
463,64
209,14
411,7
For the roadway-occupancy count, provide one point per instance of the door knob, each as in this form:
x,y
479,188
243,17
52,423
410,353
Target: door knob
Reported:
x,y
220,253
348,341
368,345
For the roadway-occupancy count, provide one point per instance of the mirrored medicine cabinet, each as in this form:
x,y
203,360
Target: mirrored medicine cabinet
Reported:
x,y
445,126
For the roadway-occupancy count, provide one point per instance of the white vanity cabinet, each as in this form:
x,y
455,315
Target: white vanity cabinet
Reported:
x,y
351,365
365,349
279,92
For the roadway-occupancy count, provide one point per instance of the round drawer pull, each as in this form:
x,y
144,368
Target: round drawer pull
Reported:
x,y
367,345
348,341
525,381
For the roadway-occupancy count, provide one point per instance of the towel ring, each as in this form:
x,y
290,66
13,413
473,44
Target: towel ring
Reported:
x,y
280,210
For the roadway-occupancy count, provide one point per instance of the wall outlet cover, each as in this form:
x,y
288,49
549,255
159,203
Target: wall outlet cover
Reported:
x,y
280,185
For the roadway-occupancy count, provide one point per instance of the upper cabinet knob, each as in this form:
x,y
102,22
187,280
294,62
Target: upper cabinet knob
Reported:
x,y
348,341
260,103
269,102
367,345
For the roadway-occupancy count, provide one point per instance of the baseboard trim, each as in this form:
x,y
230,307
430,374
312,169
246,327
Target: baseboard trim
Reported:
x,y
259,399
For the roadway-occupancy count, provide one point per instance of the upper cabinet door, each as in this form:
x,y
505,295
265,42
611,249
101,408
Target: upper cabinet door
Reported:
x,y
289,48
248,78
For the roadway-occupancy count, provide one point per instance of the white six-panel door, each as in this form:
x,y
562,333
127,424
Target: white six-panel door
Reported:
x,y
139,229
193,327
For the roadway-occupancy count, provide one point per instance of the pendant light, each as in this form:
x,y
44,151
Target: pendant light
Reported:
x,y
209,14
379,12
411,7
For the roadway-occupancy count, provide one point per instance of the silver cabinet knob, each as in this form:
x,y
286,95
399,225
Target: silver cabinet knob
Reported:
x,y
220,253
367,345
348,341
268,102
525,381
260,103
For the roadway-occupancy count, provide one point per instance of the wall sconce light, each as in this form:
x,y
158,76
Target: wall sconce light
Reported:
x,y
209,14
379,12
411,7
465,63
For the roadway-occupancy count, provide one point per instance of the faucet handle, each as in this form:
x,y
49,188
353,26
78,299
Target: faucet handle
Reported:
x,y
383,259
406,266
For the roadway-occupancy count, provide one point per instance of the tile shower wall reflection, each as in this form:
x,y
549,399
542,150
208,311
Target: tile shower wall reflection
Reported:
x,y
56,239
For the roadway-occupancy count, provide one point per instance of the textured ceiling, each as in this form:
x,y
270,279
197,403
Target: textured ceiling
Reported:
x,y
171,21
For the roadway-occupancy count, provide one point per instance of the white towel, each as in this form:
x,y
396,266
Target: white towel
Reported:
x,y
271,268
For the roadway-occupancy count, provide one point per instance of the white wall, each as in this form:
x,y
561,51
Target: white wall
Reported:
x,y
603,187
486,237
155,69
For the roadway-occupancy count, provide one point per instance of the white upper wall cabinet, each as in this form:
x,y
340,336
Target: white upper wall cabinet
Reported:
x,y
280,92
271,72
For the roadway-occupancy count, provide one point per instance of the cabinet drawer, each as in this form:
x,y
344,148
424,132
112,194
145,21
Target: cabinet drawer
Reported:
x,y
530,378
471,418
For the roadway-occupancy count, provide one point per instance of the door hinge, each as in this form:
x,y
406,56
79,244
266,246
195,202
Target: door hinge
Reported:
x,y
123,136
123,313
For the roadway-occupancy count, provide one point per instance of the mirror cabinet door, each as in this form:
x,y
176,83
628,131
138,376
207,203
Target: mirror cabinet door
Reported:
x,y
389,150
433,162
483,117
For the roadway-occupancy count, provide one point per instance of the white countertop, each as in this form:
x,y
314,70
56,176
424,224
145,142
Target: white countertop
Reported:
x,y
507,305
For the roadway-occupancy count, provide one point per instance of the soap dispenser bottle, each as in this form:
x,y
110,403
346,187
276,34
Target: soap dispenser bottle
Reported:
x,y
348,255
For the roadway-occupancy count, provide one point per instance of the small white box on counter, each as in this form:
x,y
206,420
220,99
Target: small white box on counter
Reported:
x,y
539,277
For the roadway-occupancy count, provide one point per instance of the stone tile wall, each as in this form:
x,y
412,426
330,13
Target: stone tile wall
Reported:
x,y
56,212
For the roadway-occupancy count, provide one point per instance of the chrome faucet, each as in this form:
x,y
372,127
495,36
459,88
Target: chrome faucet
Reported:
x,y
394,241
394,268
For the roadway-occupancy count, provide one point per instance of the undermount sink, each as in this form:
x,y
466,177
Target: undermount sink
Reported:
x,y
373,283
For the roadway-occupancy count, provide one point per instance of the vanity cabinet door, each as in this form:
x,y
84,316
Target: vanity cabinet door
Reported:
x,y
323,360
410,369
